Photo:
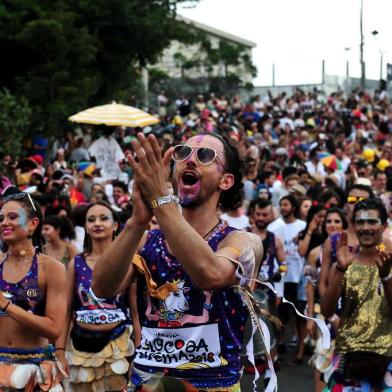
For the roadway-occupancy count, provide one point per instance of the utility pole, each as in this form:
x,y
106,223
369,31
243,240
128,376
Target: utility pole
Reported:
x,y
363,77
273,75
347,72
375,34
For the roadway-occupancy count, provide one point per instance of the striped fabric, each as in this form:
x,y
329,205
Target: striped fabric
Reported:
x,y
114,114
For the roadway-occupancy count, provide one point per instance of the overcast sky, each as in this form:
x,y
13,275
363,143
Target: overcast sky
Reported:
x,y
297,34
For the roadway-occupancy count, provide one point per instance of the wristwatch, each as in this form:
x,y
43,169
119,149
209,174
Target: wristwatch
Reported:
x,y
160,201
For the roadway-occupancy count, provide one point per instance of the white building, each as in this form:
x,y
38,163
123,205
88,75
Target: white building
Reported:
x,y
180,60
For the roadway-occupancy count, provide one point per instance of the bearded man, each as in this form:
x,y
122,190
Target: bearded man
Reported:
x,y
191,312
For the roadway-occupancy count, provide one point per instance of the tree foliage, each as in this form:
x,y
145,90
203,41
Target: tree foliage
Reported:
x,y
66,55
15,116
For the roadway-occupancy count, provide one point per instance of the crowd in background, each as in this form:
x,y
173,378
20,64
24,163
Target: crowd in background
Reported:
x,y
305,157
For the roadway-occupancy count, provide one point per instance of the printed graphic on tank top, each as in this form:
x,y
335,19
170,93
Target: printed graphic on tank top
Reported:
x,y
88,310
26,293
190,333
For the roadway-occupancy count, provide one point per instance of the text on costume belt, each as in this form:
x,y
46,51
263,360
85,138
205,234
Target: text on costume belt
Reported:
x,y
100,316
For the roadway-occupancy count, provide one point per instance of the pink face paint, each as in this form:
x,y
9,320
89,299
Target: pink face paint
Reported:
x,y
219,168
199,139
188,194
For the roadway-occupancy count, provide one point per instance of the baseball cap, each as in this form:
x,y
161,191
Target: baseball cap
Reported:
x,y
37,159
383,164
368,154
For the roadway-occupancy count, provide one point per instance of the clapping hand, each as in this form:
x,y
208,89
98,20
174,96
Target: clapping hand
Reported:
x,y
344,257
384,264
150,169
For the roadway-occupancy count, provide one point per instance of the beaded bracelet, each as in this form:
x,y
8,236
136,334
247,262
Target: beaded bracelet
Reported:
x,y
6,306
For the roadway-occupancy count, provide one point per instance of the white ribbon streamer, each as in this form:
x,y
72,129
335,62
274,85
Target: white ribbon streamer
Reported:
x,y
325,334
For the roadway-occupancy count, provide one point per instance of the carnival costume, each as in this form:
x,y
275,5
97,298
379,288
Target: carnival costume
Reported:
x,y
187,333
191,335
28,369
363,355
99,360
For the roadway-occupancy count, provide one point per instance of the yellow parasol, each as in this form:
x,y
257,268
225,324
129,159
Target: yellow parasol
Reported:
x,y
114,114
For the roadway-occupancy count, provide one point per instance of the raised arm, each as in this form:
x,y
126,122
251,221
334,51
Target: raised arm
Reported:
x,y
344,259
207,269
115,263
325,267
384,264
303,244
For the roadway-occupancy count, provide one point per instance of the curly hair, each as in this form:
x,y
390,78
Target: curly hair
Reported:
x,y
232,198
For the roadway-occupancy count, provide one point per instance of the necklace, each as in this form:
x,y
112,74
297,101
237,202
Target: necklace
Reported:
x,y
205,236
22,252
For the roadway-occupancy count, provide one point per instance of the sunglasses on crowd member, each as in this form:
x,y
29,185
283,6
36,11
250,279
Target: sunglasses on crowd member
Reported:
x,y
19,196
204,155
355,199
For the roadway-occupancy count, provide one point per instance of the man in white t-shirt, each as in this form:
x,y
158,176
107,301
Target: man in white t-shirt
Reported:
x,y
107,153
236,218
313,165
295,263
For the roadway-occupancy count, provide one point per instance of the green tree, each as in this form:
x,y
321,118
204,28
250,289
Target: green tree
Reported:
x,y
15,116
65,55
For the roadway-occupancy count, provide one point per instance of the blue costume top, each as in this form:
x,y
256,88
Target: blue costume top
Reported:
x,y
26,293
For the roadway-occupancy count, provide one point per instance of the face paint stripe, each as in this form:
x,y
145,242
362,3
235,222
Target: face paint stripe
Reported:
x,y
22,218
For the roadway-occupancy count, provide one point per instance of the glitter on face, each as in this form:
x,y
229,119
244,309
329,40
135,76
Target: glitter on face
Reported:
x,y
363,215
199,139
110,217
22,218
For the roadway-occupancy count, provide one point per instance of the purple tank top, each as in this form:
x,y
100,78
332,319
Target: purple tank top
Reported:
x,y
26,293
192,334
87,310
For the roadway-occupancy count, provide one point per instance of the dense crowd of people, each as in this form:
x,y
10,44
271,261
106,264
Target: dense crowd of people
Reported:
x,y
201,249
